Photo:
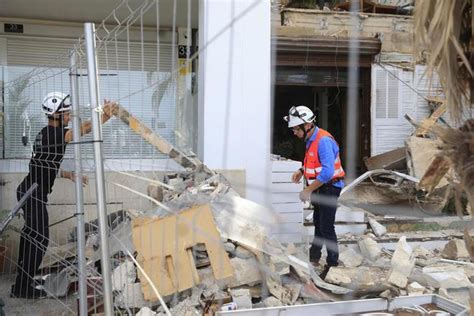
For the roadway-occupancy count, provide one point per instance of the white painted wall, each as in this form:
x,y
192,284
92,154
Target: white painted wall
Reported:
x,y
234,90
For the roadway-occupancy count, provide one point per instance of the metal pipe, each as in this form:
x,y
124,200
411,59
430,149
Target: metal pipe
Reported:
x,y
93,77
81,235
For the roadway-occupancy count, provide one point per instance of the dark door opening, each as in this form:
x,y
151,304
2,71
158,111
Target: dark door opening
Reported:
x,y
329,103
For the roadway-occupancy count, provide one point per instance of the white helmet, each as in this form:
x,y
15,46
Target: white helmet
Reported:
x,y
56,102
298,115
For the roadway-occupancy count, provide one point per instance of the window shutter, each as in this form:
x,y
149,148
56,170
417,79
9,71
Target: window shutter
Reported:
x,y
120,77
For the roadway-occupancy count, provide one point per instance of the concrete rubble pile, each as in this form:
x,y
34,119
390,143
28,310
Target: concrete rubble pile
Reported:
x,y
261,272
252,269
206,249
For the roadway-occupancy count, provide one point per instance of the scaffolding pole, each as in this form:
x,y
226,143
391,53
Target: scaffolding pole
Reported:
x,y
93,77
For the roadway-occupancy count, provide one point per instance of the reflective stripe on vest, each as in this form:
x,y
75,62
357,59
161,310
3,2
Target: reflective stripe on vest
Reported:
x,y
312,165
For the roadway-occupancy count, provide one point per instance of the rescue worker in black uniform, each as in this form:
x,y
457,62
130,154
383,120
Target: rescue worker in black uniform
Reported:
x,y
44,168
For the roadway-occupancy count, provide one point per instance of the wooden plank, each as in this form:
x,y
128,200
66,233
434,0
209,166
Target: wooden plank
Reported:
x,y
157,141
394,160
428,123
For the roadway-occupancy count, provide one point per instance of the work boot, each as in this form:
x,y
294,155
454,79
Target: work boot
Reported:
x,y
27,292
325,271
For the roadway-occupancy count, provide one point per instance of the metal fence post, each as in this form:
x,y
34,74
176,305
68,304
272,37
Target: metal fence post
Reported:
x,y
81,239
93,77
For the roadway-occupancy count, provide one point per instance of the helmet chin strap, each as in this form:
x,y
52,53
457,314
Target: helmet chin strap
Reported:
x,y
306,131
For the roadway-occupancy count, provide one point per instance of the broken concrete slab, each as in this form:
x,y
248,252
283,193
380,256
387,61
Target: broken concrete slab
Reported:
x,y
421,252
350,258
187,307
402,263
272,302
415,288
360,279
243,253
379,229
421,153
131,296
369,249
455,250
146,311
285,294
447,277
125,273
242,298
246,272
229,247
278,266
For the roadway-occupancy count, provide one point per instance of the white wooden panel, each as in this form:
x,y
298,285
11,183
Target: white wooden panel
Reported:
x,y
391,99
281,176
286,187
285,197
285,165
290,218
288,207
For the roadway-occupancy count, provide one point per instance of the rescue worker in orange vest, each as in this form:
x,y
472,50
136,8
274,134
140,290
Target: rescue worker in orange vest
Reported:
x,y
324,176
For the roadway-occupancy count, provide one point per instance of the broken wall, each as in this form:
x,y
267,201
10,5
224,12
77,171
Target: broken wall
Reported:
x,y
394,31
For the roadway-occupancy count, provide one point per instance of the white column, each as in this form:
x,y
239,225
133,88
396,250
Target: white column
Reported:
x,y
234,90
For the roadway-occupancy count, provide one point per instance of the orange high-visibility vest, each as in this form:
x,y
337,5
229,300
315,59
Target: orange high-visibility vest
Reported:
x,y
312,165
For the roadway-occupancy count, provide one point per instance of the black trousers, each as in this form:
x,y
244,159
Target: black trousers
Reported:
x,y
324,201
33,242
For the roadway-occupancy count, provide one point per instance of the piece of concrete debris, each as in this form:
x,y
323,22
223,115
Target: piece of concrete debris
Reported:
x,y
229,247
403,262
360,279
272,302
386,294
369,248
187,307
124,274
242,298
415,288
446,277
350,258
421,252
146,311
444,293
243,253
131,296
278,266
286,295
455,249
246,272
379,229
